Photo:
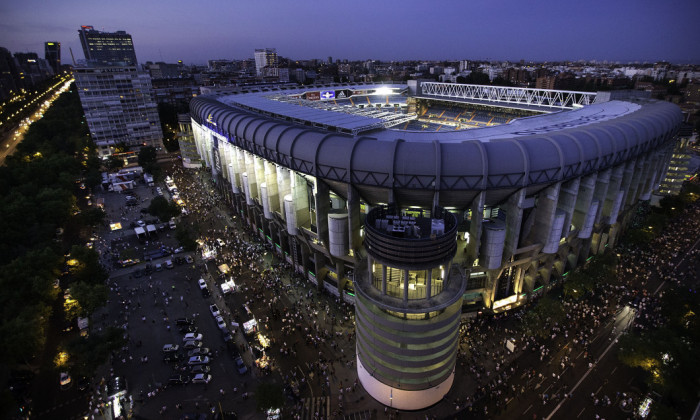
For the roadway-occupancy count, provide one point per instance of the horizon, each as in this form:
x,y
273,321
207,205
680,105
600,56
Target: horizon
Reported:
x,y
505,30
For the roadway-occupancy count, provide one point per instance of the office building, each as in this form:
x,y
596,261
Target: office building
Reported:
x,y
265,57
107,48
119,107
52,54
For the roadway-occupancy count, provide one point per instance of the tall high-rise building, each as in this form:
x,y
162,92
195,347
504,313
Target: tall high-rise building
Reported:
x,y
107,48
10,79
265,57
119,107
52,54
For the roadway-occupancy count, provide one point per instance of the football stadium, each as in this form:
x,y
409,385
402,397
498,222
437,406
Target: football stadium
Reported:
x,y
420,201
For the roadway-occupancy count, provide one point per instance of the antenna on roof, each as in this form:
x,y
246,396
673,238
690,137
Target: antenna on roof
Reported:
x,y
71,55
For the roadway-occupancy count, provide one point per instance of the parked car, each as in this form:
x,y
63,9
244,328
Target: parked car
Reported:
x,y
226,335
159,267
201,378
169,264
200,351
202,284
214,310
191,344
65,380
240,365
200,369
220,322
192,336
198,360
170,348
189,259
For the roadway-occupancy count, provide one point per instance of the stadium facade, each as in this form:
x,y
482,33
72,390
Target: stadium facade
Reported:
x,y
385,196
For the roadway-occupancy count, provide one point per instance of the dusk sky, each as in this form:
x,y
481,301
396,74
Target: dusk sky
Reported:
x,y
538,30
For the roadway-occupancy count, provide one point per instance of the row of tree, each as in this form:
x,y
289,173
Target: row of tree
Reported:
x,y
44,227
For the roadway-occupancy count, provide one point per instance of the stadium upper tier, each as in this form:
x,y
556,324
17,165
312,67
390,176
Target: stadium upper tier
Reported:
x,y
527,152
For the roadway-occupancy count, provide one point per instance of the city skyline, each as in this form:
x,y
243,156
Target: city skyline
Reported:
x,y
507,30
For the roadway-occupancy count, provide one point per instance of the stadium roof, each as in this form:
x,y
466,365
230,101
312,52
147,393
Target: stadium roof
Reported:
x,y
282,106
535,150
317,116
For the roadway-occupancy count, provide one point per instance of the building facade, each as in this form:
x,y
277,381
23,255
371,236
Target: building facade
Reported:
x,y
119,107
107,48
265,57
185,139
679,166
411,225
52,54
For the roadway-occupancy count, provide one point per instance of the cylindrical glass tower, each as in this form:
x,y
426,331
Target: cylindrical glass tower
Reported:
x,y
408,306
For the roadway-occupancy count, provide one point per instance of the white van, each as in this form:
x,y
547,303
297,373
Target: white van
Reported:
x,y
172,223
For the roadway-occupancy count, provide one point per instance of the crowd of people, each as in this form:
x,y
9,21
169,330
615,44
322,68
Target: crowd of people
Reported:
x,y
291,313
492,367
298,317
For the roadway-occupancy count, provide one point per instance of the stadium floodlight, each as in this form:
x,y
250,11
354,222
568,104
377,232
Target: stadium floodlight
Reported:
x,y
383,91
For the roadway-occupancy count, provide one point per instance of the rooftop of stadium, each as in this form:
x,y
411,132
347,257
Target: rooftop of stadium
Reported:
x,y
389,112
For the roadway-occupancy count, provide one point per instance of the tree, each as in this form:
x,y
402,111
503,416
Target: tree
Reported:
x,y
163,209
546,312
87,353
92,216
577,284
24,334
269,396
147,158
668,354
85,266
183,235
90,297
115,163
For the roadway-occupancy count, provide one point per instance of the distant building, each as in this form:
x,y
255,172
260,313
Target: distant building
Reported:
x,y
265,57
176,92
222,65
107,48
283,75
32,69
119,107
546,82
298,75
10,82
52,54
162,70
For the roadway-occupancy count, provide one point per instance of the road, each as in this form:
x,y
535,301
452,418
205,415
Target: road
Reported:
x,y
594,378
9,143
